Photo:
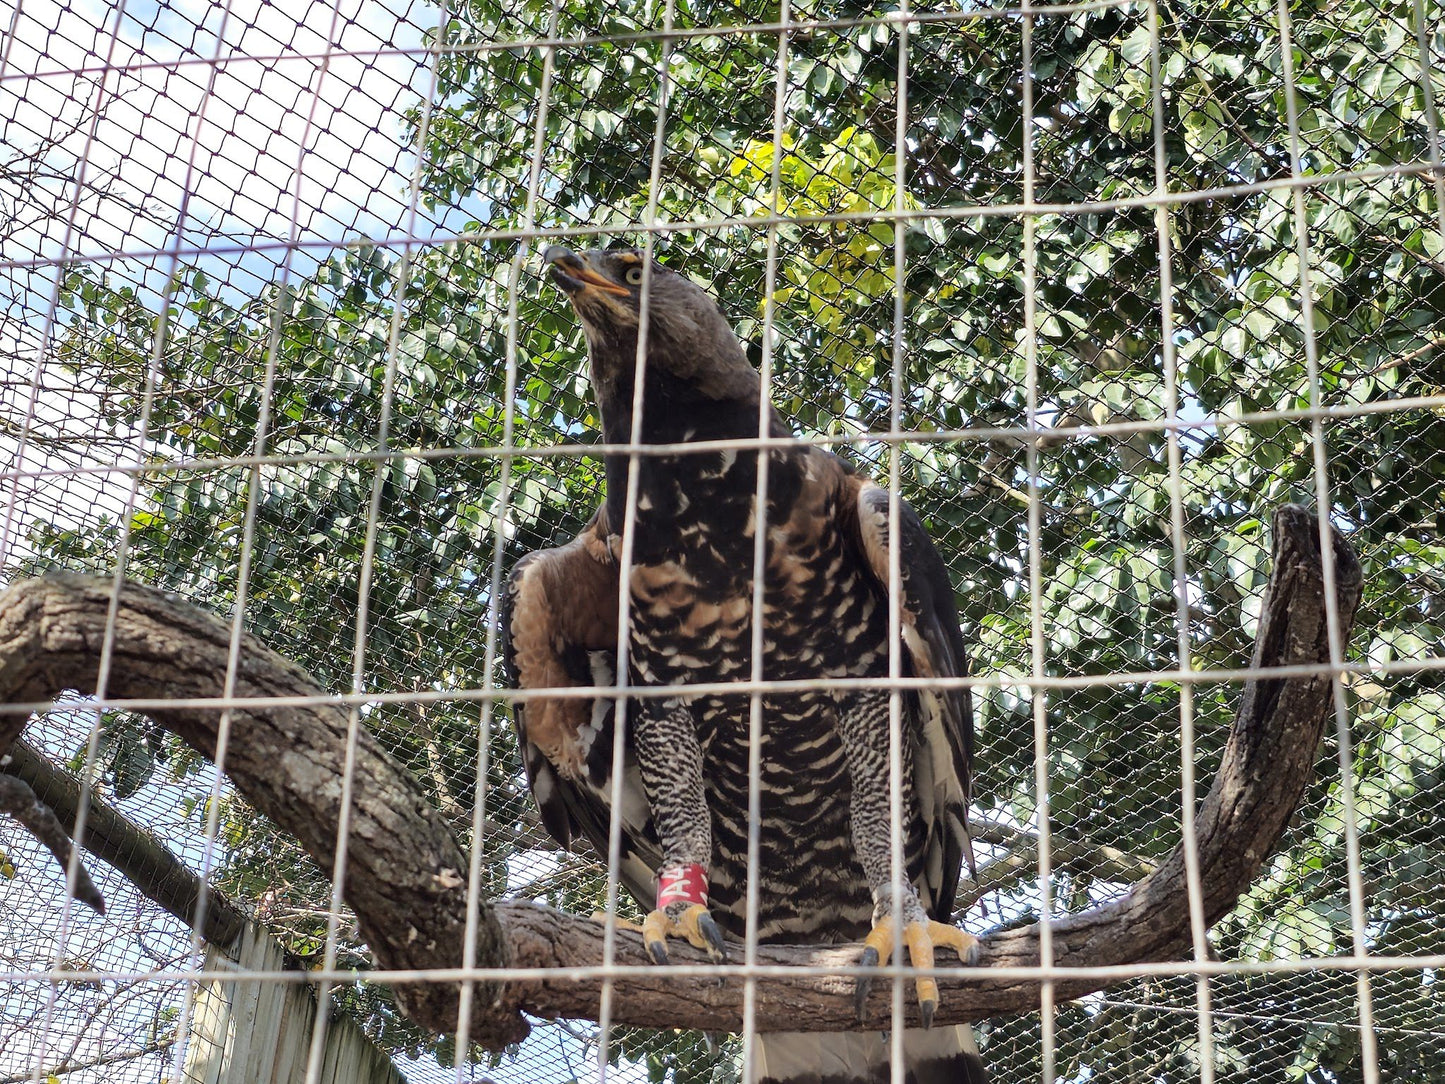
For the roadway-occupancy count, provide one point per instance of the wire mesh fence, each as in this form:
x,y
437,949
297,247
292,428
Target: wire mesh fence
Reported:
x,y
274,338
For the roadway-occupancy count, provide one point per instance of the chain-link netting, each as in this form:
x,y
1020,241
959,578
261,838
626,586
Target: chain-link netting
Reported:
x,y
274,336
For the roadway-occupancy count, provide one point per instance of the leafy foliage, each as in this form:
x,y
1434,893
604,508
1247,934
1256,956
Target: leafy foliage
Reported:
x,y
424,342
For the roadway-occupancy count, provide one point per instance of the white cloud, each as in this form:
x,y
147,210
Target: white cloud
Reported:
x,y
247,149
269,95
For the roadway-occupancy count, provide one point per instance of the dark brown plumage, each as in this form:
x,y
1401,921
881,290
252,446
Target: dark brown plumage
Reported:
x,y
824,837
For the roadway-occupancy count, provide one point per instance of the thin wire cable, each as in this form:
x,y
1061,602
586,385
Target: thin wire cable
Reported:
x,y
1432,115
1105,974
1179,541
898,872
629,536
760,559
10,35
1018,435
1266,1019
317,1052
107,648
721,223
65,259
223,729
675,34
1037,651
1000,679
499,547
1369,1049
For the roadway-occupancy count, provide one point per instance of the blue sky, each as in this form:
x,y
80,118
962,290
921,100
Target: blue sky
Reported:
x,y
169,149
239,171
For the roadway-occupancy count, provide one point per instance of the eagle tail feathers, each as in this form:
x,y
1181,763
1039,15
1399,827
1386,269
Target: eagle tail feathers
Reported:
x,y
943,1055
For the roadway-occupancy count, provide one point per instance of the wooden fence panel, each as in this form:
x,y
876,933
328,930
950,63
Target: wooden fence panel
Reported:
x,y
260,1032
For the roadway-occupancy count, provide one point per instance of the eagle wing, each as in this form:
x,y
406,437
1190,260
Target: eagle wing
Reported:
x,y
943,737
559,631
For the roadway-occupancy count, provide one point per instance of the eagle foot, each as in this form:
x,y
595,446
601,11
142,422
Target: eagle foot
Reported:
x,y
921,937
689,920
622,923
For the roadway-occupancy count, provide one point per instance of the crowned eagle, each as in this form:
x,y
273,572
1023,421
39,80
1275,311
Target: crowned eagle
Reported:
x,y
824,861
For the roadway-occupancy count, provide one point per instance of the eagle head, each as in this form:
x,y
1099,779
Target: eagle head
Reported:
x,y
688,338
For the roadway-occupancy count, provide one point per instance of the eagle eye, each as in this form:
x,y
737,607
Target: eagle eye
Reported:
x,y
634,275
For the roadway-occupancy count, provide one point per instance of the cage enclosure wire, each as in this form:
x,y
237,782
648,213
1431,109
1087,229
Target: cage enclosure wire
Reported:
x,y
274,335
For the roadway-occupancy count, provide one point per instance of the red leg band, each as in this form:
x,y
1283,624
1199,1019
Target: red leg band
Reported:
x,y
681,883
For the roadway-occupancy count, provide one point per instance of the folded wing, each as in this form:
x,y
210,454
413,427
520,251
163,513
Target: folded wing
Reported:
x,y
933,642
559,631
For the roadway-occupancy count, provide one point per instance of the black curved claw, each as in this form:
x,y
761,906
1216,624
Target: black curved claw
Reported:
x,y
865,982
926,1009
657,952
717,952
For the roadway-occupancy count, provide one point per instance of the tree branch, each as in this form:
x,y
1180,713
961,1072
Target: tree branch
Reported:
x,y
20,801
94,1063
404,875
137,853
1022,859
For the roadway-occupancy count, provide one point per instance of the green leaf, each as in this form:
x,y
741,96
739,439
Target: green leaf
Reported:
x,y
1135,48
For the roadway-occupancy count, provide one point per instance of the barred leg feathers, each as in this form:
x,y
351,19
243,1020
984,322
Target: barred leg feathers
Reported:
x,y
671,761
938,1056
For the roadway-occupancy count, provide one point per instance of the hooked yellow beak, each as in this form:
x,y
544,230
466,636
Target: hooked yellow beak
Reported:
x,y
573,274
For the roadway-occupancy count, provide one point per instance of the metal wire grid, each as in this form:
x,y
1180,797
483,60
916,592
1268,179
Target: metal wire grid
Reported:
x,y
379,436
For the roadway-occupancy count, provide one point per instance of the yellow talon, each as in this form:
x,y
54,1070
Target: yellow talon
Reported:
x,y
695,924
880,940
921,939
622,923
689,924
965,944
920,955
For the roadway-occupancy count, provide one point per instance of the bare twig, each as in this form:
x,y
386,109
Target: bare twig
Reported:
x,y
94,1063
1022,860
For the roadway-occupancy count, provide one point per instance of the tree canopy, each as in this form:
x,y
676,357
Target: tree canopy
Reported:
x,y
313,358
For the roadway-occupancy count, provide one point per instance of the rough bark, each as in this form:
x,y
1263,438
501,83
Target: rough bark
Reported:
x,y
404,870
405,874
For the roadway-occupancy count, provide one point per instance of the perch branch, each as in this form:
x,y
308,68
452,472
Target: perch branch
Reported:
x,y
404,870
135,852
